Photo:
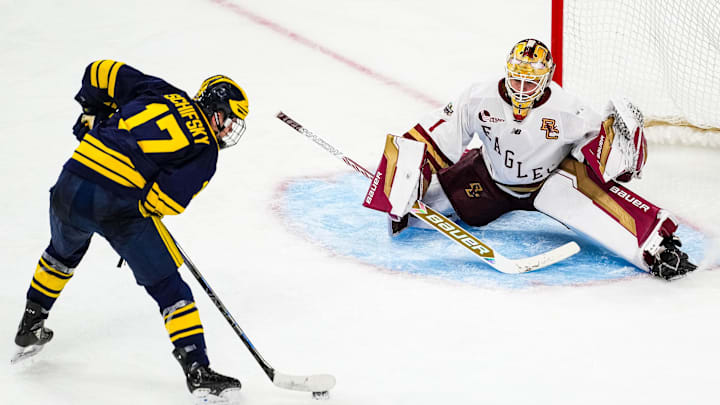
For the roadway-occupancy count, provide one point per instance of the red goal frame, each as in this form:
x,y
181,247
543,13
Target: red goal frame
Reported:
x,y
556,39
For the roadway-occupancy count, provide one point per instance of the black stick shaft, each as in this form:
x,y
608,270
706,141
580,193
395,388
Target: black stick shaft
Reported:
x,y
228,317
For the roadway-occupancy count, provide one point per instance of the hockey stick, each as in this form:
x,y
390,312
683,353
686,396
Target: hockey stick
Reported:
x,y
318,384
447,227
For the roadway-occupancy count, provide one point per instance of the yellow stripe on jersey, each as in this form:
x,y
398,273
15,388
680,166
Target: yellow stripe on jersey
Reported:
x,y
103,75
100,169
168,241
113,79
48,280
108,162
93,73
96,142
207,123
157,201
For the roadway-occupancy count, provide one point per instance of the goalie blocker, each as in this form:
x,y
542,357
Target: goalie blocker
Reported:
x,y
401,178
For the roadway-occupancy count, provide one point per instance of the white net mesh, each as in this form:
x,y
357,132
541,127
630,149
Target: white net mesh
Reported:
x,y
662,54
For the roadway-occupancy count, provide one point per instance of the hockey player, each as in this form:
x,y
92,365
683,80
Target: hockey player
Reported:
x,y
542,149
146,149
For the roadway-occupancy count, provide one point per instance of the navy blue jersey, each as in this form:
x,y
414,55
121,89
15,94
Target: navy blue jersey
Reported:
x,y
152,143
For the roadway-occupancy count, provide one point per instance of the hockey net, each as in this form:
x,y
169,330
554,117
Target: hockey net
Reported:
x,y
662,54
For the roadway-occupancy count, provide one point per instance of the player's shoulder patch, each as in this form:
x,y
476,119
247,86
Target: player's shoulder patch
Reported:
x,y
448,110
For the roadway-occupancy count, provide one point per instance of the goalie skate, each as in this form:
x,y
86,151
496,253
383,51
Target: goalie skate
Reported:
x,y
670,262
395,227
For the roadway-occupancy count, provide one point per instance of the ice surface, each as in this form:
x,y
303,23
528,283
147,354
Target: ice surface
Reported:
x,y
329,212
389,337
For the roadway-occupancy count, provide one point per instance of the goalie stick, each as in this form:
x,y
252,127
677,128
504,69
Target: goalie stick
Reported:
x,y
447,227
318,384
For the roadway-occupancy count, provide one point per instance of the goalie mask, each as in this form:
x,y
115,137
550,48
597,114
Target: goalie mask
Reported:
x,y
220,94
529,69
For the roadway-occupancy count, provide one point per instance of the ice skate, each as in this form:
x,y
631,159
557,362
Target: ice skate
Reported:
x,y
32,335
206,385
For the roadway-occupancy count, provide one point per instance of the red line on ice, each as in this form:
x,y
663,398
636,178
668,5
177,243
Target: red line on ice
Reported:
x,y
279,29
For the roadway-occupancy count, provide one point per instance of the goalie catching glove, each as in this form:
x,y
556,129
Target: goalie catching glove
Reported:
x,y
401,178
619,152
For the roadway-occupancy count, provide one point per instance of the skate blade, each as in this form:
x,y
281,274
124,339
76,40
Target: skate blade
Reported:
x,y
228,396
24,353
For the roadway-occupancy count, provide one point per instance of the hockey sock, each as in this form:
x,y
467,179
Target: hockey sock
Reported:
x,y
185,330
181,317
48,281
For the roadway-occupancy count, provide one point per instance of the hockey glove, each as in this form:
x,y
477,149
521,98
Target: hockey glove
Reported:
x,y
83,125
670,262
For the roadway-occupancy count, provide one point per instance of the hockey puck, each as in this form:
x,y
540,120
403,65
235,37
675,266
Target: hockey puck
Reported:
x,y
321,395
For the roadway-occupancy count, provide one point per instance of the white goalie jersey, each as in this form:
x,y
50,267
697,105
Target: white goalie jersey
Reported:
x,y
517,153
542,150
561,158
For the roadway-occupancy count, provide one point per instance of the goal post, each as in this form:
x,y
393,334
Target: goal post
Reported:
x,y
662,54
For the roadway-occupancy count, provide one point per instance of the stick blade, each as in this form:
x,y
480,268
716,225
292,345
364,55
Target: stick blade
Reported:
x,y
310,383
546,259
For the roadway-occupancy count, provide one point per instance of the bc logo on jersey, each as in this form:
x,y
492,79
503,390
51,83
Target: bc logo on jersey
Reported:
x,y
474,190
548,125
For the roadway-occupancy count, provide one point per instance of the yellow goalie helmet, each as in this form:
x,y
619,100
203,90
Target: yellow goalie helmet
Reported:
x,y
529,69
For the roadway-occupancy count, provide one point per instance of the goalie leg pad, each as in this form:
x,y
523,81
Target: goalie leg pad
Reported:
x,y
401,178
615,217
